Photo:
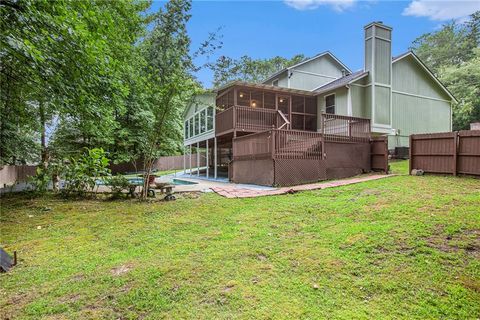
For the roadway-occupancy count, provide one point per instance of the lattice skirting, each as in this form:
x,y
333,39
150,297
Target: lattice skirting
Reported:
x,y
289,172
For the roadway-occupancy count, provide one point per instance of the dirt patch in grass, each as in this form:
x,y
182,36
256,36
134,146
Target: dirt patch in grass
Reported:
x,y
122,269
467,241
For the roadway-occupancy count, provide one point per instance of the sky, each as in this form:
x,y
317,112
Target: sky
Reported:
x,y
264,29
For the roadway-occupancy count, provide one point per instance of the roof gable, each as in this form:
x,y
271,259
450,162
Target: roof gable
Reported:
x,y
430,74
316,57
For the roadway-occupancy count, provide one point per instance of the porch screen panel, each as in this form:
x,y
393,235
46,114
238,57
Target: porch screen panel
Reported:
x,y
256,99
230,98
297,121
243,98
298,104
284,104
190,127
269,100
311,105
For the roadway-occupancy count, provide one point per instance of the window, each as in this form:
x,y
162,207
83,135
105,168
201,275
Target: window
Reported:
x,y
330,104
190,127
275,82
197,122
186,130
203,120
209,118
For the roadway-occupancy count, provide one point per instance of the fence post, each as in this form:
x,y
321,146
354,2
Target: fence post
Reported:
x,y
455,139
273,144
410,154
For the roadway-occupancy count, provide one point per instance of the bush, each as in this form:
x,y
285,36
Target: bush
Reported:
x,y
118,184
81,174
45,176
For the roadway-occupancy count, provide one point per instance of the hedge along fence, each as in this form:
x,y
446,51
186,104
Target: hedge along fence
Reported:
x,y
446,153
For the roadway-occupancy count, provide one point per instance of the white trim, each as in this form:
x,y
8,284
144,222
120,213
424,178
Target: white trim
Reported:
x,y
316,74
334,104
288,78
348,83
378,129
426,70
419,96
276,79
360,85
384,39
349,102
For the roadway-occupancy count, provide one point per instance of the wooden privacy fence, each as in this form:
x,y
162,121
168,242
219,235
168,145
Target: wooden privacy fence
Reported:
x,y
161,164
13,174
446,153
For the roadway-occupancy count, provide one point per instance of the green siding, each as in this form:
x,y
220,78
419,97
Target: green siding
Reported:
x,y
382,105
418,115
358,101
383,59
408,76
315,73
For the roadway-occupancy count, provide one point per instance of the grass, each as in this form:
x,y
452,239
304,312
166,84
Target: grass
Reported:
x,y
403,247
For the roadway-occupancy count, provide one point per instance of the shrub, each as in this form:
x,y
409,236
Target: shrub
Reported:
x,y
118,184
81,174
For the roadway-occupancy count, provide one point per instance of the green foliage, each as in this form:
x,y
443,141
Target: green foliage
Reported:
x,y
47,175
81,174
452,53
248,69
118,184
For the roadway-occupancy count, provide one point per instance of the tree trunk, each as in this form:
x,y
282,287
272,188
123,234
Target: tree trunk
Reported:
x,y
43,151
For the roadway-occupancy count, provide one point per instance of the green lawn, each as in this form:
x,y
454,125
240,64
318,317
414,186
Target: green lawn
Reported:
x,y
403,247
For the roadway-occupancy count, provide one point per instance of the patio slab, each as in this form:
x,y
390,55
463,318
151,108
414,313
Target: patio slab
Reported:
x,y
234,192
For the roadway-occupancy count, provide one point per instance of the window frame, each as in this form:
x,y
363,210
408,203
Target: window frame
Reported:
x,y
334,103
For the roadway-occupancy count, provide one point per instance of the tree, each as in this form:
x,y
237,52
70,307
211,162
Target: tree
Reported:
x,y
167,52
452,54
65,59
245,68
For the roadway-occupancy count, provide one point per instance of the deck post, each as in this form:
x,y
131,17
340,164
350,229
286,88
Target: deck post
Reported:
x,y
208,163
190,160
198,159
215,158
184,164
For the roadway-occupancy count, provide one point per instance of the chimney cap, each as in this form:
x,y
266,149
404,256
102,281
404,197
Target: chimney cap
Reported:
x,y
379,24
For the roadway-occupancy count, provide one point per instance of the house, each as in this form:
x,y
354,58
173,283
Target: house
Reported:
x,y
312,107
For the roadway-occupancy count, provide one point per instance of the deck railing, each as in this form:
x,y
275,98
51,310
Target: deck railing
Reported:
x,y
344,128
295,144
278,144
248,120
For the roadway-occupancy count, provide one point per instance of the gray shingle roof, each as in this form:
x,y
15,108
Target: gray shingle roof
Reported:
x,y
341,82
